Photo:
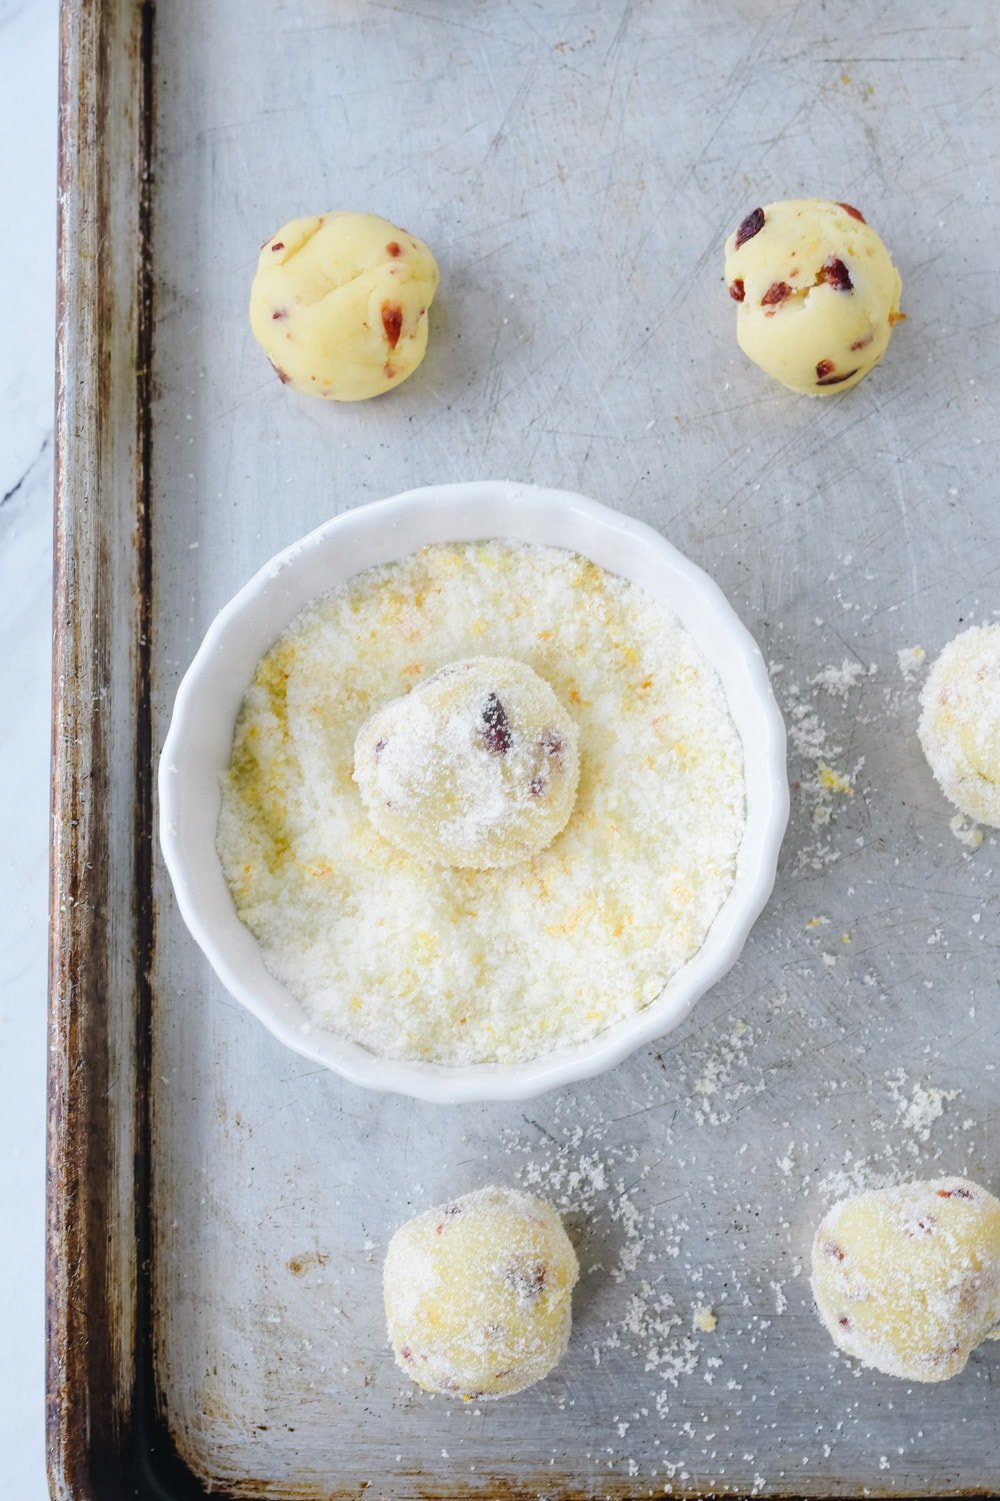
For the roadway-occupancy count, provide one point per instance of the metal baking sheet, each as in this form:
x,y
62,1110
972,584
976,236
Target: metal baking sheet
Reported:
x,y
219,1207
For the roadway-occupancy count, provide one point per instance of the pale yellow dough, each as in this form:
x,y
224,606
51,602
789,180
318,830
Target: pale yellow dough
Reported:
x,y
478,1294
477,767
339,304
907,1279
960,722
817,294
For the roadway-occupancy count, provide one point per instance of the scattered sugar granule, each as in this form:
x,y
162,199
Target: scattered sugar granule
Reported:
x,y
823,783
964,829
834,781
838,681
910,659
924,1106
716,1072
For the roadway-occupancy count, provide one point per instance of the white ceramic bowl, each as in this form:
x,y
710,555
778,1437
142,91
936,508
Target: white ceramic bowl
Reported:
x,y
199,742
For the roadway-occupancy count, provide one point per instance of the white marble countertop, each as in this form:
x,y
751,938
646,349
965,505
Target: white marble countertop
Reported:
x,y
28,94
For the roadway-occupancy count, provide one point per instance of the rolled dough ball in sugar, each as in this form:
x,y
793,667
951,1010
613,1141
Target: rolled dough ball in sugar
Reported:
x,y
907,1279
339,304
476,767
478,1294
960,722
817,293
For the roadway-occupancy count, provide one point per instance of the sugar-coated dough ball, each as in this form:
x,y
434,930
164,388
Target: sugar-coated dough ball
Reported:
x,y
907,1279
478,1294
817,293
339,304
476,767
960,722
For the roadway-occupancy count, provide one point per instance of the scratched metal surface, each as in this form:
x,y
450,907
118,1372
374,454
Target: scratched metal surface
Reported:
x,y
576,168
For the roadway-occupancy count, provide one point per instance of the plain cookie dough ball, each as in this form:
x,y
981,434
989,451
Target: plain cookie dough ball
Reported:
x,y
476,767
817,293
478,1294
960,722
907,1279
339,304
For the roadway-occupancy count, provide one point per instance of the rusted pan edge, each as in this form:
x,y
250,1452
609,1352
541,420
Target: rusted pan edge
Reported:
x,y
99,883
